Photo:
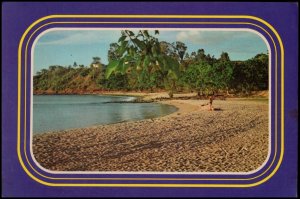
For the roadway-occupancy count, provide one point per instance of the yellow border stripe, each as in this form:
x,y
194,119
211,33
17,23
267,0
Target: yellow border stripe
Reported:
x,y
155,16
194,179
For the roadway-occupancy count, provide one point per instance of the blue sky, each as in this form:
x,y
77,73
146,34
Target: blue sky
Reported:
x,y
64,47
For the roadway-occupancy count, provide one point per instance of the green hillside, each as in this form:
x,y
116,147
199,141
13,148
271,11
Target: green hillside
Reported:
x,y
141,63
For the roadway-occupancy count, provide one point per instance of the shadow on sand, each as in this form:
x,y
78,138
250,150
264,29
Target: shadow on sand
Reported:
x,y
217,109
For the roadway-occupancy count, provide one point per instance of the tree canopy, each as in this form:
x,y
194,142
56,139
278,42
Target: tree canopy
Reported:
x,y
139,61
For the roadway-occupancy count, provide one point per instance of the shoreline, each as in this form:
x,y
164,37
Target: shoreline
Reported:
x,y
149,97
176,103
254,94
192,139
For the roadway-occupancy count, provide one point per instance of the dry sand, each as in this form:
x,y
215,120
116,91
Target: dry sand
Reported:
x,y
193,139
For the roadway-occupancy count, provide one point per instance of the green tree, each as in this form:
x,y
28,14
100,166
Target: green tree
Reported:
x,y
112,53
141,53
168,49
222,75
180,48
199,77
251,74
52,68
116,81
96,59
75,64
201,55
224,57
193,55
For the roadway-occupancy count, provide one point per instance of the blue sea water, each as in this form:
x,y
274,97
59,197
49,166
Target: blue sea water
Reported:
x,y
61,112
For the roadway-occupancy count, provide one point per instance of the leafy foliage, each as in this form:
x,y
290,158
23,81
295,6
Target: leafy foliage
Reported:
x,y
141,52
138,61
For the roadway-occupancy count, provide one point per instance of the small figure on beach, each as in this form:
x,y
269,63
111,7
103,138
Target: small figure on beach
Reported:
x,y
211,99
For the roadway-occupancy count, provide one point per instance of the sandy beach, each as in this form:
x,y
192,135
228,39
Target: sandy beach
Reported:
x,y
234,138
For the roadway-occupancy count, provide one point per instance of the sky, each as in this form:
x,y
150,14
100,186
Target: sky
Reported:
x,y
66,46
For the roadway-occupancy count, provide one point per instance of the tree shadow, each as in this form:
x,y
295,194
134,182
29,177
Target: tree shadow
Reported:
x,y
218,109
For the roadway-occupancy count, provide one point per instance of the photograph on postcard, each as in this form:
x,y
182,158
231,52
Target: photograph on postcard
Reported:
x,y
163,100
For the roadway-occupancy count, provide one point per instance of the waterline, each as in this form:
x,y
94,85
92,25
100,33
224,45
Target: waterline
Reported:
x,y
61,112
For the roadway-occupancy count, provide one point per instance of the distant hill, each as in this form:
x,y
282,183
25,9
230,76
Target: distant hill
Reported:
x,y
201,75
67,80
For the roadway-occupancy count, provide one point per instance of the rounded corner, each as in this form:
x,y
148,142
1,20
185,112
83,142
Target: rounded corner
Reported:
x,y
272,172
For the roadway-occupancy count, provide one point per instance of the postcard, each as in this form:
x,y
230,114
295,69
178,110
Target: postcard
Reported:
x,y
149,99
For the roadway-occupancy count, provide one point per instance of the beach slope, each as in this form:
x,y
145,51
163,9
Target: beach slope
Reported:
x,y
233,139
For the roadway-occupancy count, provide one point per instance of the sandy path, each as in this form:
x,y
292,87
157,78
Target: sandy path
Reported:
x,y
192,139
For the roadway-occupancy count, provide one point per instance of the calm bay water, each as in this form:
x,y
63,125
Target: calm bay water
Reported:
x,y
60,112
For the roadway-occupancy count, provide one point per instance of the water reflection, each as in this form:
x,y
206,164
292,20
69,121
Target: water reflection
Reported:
x,y
51,113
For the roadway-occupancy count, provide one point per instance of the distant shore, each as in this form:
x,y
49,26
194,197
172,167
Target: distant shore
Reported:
x,y
155,96
234,138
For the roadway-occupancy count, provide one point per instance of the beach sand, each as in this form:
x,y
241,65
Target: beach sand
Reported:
x,y
233,139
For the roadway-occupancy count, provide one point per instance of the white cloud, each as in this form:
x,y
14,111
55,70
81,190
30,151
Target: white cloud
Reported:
x,y
75,37
208,37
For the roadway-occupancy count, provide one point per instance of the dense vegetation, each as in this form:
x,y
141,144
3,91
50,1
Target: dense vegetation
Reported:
x,y
141,62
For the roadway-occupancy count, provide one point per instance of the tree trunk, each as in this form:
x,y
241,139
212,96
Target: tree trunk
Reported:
x,y
199,94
